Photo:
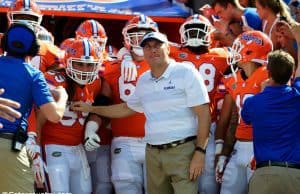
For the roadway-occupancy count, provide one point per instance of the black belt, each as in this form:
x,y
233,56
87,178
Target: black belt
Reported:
x,y
172,144
6,135
280,164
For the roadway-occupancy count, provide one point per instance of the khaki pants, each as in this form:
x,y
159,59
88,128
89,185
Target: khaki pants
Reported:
x,y
275,180
168,170
15,173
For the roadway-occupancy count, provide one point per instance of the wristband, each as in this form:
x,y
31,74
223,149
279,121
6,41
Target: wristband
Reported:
x,y
199,149
219,146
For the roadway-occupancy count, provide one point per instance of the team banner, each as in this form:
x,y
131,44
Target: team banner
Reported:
x,y
124,7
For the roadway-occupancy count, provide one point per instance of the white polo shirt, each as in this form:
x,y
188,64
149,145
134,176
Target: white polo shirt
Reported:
x,y
167,101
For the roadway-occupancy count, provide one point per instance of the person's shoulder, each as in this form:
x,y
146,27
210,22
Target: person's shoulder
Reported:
x,y
145,76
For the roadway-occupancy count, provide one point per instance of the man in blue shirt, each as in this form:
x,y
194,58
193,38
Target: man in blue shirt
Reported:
x,y
274,115
26,85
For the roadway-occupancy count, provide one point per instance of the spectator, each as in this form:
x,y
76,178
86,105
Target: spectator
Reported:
x,y
294,6
231,10
173,160
274,115
26,85
271,12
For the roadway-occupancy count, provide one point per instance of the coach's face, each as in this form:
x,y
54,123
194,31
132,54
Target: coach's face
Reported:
x,y
156,53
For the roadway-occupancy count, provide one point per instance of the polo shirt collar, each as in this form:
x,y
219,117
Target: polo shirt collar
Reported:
x,y
167,72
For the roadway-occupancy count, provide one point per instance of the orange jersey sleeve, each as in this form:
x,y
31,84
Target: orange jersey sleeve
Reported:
x,y
132,126
70,129
50,56
210,65
240,90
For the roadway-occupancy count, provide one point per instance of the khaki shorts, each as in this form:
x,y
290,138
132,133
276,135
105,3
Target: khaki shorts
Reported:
x,y
15,173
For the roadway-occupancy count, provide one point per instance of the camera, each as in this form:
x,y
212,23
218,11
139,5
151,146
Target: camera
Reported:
x,y
19,139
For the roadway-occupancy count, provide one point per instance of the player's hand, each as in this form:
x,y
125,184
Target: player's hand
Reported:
x,y
197,165
220,167
128,69
91,140
33,150
7,109
81,106
39,168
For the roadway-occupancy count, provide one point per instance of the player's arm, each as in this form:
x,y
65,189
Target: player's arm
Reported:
x,y
230,134
223,122
94,121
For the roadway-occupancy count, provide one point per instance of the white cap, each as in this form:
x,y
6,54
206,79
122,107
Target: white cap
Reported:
x,y
154,36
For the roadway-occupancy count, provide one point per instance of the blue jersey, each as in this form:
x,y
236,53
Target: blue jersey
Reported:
x,y
22,83
275,118
253,18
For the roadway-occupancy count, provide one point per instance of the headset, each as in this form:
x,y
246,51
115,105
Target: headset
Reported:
x,y
20,40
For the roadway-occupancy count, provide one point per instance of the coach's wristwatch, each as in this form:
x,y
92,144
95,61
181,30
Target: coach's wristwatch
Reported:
x,y
200,149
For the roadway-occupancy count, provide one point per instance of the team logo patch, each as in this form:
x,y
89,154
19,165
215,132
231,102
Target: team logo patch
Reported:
x,y
117,150
56,154
182,55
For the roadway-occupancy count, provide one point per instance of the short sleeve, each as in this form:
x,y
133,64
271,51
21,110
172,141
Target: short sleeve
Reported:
x,y
247,110
195,88
40,89
134,101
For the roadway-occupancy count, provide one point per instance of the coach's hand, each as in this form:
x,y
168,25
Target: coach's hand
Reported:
x,y
197,165
81,106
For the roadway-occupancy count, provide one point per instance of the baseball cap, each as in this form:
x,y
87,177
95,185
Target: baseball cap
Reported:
x,y
19,38
154,36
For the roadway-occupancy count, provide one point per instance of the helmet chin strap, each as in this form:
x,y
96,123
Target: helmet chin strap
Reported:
x,y
138,51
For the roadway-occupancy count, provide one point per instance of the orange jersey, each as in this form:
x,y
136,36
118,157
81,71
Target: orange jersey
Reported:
x,y
70,129
132,126
240,90
211,66
49,55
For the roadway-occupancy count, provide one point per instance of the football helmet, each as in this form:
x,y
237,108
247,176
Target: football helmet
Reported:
x,y
82,62
66,44
44,35
195,31
134,31
94,30
250,46
25,10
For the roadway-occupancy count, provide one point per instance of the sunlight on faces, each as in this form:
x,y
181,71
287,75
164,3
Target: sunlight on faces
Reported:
x,y
222,12
156,52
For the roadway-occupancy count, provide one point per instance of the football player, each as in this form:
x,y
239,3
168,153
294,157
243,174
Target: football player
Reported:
x,y
65,156
98,156
195,49
249,51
